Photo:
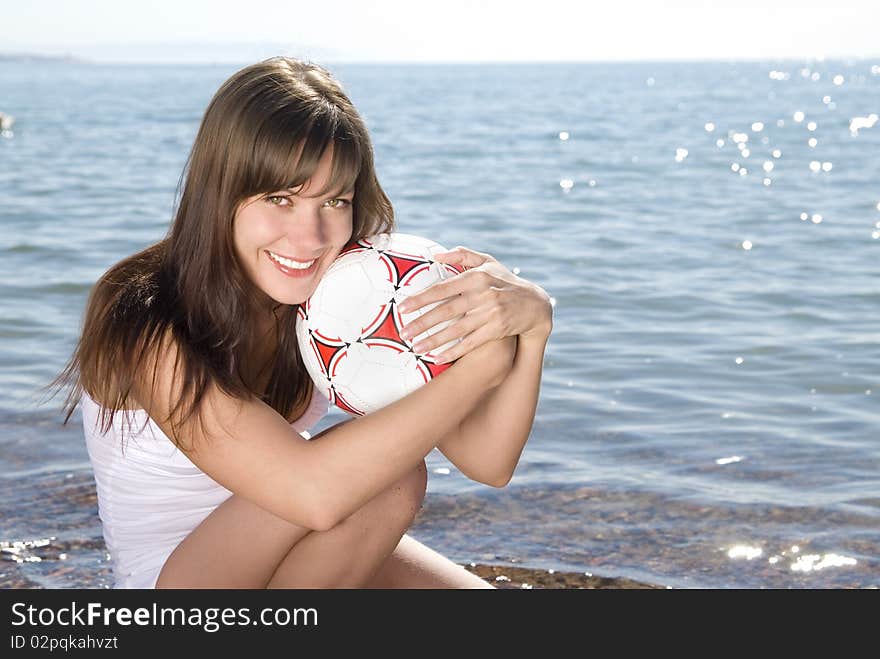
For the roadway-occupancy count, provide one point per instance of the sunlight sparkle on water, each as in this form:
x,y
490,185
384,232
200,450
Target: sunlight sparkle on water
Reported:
x,y
566,184
815,562
757,127
709,126
744,551
768,166
563,135
727,461
746,245
817,219
798,116
680,154
811,126
777,153
857,123
815,165
812,142
838,80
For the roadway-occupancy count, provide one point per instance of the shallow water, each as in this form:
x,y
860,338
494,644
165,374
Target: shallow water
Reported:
x,y
709,404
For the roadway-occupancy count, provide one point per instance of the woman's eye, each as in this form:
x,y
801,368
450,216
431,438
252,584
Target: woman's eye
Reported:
x,y
277,200
338,203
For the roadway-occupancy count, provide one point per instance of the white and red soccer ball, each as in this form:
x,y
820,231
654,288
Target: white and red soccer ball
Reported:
x,y
348,331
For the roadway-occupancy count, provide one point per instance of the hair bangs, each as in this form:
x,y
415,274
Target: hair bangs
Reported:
x,y
346,167
329,129
282,156
290,153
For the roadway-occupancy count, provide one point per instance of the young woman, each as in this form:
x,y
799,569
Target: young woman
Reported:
x,y
195,400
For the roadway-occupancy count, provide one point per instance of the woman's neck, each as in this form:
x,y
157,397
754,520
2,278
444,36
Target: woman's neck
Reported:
x,y
262,352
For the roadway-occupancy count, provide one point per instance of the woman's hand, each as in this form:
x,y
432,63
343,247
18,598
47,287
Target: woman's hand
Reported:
x,y
493,303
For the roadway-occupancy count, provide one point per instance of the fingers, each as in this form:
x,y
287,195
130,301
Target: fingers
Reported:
x,y
470,341
449,310
441,338
440,291
463,256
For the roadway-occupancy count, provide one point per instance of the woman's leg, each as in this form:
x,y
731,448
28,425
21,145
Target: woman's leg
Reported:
x,y
413,565
240,545
349,554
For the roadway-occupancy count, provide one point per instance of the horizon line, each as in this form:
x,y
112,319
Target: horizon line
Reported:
x,y
71,57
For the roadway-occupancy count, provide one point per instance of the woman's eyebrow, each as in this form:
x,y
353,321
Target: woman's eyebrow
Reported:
x,y
296,188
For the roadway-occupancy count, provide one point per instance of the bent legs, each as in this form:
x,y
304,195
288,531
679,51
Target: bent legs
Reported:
x,y
350,553
240,545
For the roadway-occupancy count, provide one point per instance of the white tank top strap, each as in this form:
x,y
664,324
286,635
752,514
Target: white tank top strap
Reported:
x,y
317,409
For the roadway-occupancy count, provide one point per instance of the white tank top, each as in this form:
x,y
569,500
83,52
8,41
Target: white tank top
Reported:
x,y
151,496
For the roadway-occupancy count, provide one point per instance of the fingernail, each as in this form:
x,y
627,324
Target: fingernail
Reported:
x,y
419,347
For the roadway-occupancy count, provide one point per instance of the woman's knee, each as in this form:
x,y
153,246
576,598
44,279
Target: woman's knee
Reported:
x,y
408,493
417,483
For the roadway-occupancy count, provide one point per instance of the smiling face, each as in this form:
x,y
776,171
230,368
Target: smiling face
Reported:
x,y
286,239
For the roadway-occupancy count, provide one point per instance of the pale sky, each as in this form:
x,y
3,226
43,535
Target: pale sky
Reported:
x,y
448,31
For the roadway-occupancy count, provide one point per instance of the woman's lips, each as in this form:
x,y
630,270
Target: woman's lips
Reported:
x,y
292,268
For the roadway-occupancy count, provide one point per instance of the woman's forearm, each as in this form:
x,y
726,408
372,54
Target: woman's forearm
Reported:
x,y
487,445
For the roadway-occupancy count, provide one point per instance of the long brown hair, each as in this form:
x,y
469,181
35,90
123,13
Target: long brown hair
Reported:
x,y
265,130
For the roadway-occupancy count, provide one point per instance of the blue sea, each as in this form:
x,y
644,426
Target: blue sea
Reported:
x,y
709,232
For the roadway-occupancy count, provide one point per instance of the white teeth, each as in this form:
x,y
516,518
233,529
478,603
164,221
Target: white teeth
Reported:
x,y
287,263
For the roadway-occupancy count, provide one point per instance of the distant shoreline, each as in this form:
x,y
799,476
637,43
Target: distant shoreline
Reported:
x,y
28,57
68,58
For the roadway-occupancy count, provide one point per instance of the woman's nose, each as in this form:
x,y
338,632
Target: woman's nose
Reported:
x,y
306,229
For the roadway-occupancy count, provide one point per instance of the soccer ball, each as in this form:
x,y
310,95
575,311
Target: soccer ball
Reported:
x,y
348,331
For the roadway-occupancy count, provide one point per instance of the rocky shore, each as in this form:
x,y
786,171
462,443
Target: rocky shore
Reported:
x,y
504,576
53,563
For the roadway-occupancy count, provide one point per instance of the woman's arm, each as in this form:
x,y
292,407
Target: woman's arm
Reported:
x,y
487,302
487,444
251,450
